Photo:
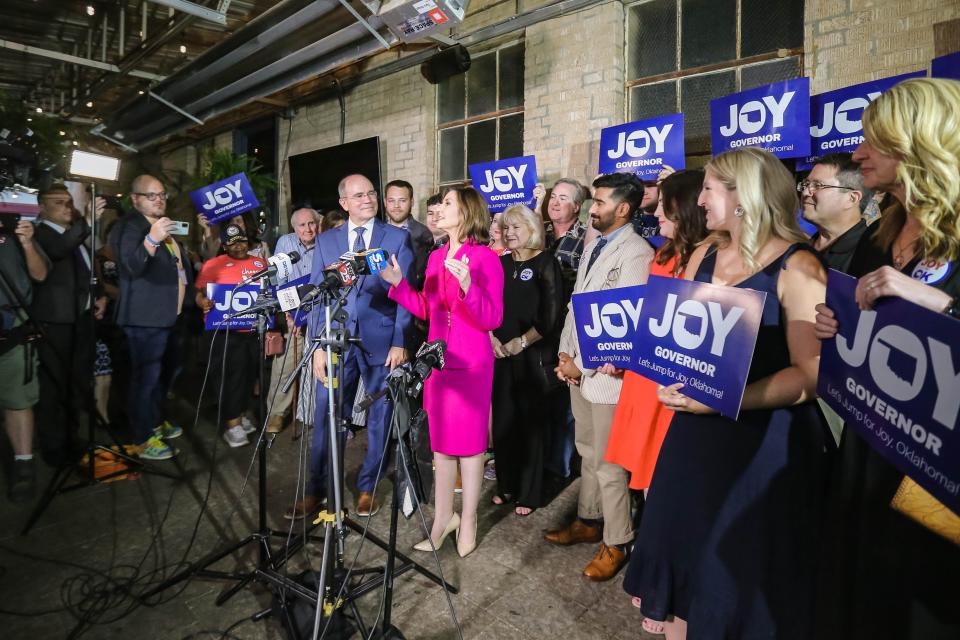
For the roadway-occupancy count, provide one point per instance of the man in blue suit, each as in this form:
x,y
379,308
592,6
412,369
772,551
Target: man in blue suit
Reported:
x,y
380,324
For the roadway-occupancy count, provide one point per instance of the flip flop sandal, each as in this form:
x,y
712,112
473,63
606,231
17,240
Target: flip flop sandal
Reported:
x,y
652,627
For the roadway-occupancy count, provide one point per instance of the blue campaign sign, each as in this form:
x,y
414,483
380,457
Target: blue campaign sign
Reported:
x,y
504,183
643,147
947,66
299,316
835,125
892,373
648,228
775,117
699,334
608,322
226,301
225,199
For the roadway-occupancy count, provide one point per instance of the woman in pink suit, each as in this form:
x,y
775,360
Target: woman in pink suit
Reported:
x,y
462,299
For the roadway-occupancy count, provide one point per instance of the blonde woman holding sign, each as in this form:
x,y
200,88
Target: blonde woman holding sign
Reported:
x,y
728,540
885,569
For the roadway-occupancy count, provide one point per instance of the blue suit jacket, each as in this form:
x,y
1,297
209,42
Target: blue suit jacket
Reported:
x,y
376,319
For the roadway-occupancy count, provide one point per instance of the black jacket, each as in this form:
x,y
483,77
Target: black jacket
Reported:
x,y
148,284
65,293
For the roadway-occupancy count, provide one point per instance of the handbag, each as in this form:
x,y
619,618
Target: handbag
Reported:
x,y
916,503
273,343
544,376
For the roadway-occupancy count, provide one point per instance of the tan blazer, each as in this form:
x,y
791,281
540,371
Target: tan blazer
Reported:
x,y
625,262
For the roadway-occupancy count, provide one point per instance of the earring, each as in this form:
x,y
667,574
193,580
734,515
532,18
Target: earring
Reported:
x,y
738,211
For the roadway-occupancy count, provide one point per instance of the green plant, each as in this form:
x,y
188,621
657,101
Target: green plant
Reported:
x,y
45,140
217,164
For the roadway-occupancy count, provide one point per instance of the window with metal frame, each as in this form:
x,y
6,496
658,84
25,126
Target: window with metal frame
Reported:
x,y
681,54
480,113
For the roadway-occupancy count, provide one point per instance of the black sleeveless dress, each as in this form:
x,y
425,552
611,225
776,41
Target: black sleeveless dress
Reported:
x,y
728,540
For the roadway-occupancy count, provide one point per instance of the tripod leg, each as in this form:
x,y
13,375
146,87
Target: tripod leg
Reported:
x,y
53,488
325,563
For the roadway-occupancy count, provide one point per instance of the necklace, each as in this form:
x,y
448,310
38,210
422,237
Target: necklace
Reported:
x,y
898,259
517,263
516,266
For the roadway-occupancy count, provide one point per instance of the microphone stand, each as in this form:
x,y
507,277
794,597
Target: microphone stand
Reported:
x,y
267,567
87,457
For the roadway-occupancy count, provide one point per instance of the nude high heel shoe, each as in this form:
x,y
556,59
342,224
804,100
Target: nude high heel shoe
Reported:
x,y
452,525
464,550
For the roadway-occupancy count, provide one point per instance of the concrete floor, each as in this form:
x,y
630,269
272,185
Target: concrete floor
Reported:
x,y
96,550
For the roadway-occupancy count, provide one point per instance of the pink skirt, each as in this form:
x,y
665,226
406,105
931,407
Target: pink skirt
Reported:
x,y
457,402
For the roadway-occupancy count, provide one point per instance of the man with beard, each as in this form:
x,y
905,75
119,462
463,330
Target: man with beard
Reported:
x,y
618,258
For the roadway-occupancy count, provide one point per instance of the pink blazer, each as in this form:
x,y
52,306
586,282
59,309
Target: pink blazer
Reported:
x,y
463,321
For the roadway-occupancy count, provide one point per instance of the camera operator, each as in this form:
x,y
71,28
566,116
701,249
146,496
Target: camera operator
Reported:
x,y
63,304
22,263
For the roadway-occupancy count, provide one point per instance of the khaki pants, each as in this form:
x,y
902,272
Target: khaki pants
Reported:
x,y
277,402
604,487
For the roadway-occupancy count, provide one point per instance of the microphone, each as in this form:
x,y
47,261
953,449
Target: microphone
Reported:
x,y
344,272
428,358
279,267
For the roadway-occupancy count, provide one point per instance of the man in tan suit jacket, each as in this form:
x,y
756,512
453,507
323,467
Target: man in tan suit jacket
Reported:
x,y
618,258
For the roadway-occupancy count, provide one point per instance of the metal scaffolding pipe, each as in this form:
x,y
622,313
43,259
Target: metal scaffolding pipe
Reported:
x,y
103,39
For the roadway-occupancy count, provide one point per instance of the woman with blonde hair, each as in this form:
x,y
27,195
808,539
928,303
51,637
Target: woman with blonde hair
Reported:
x,y
525,388
884,569
728,539
462,298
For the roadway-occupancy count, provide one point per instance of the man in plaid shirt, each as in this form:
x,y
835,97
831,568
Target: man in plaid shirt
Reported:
x,y
565,232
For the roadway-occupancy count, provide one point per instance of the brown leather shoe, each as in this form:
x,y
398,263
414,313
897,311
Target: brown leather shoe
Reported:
x,y
605,564
367,505
308,506
275,424
575,533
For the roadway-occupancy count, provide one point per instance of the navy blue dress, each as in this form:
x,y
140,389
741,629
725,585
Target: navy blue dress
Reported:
x,y
729,535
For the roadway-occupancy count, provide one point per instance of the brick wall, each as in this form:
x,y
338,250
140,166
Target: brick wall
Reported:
x,y
401,109
574,75
573,79
852,41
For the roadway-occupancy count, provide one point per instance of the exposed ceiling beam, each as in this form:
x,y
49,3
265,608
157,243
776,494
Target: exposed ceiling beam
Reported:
x,y
84,62
195,10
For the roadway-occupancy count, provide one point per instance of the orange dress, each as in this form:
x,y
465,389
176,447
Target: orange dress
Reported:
x,y
640,422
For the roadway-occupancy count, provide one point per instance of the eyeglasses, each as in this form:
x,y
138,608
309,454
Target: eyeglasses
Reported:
x,y
815,185
360,196
151,196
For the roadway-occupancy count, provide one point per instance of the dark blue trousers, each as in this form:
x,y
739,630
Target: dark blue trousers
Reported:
x,y
374,374
147,346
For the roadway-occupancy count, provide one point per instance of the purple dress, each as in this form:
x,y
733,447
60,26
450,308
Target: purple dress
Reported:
x,y
457,399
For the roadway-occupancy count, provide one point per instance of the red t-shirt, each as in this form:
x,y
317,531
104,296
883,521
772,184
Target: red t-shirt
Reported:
x,y
225,270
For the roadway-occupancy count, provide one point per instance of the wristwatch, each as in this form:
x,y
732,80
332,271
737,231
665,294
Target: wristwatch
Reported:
x,y
523,342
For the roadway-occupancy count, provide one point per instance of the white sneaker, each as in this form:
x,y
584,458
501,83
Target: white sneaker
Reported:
x,y
236,436
248,426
